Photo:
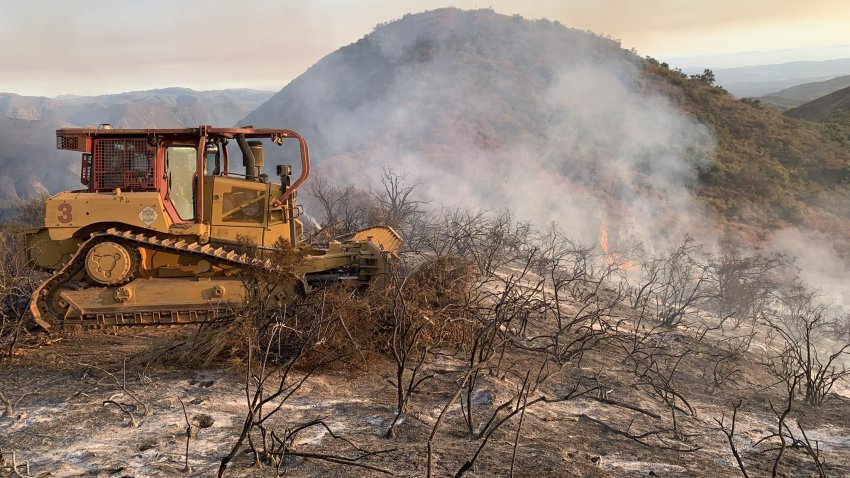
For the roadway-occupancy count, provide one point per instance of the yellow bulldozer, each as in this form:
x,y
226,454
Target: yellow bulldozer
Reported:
x,y
165,230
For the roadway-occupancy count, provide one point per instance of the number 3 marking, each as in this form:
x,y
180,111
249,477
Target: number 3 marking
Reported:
x,y
66,216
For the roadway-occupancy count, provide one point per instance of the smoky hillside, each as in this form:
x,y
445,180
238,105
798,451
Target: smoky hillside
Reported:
x,y
500,112
562,125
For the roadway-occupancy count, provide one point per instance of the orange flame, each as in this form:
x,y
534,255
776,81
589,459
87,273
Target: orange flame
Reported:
x,y
612,258
603,238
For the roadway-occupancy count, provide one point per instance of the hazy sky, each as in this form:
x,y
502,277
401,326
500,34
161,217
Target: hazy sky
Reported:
x,y
53,47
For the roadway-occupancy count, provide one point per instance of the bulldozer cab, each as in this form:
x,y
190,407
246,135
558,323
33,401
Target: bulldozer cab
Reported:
x,y
198,182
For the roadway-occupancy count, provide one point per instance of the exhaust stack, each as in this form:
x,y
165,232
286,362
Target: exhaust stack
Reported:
x,y
252,156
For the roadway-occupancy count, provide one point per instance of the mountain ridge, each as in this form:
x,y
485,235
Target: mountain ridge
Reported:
x,y
30,162
759,80
220,107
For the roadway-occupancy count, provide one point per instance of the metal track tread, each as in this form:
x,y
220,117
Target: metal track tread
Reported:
x,y
219,256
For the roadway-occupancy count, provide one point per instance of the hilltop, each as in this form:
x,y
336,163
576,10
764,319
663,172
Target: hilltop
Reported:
x,y
493,111
560,125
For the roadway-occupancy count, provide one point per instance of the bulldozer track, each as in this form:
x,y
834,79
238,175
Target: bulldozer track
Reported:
x,y
41,312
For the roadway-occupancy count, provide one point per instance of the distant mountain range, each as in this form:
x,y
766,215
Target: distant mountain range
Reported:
x,y
758,80
760,57
167,107
31,164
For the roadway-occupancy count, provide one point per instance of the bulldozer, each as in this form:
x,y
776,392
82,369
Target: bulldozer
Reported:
x,y
165,230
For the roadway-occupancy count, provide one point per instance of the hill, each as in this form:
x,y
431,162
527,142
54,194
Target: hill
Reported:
x,y
557,133
801,94
471,107
832,108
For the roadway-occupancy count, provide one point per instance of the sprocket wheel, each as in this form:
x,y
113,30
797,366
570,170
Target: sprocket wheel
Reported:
x,y
109,263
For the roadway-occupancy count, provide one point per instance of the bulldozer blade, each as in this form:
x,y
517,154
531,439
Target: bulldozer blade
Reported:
x,y
384,236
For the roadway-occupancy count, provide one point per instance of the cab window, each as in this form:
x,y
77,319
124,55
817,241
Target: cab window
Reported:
x,y
180,165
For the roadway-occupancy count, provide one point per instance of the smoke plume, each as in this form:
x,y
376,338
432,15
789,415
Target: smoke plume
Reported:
x,y
494,112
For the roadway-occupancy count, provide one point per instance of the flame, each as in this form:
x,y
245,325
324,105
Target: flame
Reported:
x,y
612,258
603,238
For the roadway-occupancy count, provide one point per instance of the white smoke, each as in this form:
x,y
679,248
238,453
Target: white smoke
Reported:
x,y
492,112
819,262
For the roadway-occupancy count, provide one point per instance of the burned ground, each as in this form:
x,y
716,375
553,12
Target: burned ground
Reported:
x,y
61,424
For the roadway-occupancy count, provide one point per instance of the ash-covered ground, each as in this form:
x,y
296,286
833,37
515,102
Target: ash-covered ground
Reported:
x,y
66,418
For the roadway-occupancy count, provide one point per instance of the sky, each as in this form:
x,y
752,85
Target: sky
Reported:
x,y
56,47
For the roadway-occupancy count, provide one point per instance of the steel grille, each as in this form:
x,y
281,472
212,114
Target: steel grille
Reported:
x,y
123,163
68,142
